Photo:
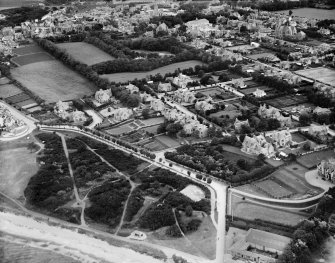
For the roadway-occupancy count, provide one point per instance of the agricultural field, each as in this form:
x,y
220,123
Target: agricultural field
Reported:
x,y
27,50
322,74
30,54
311,160
17,166
85,53
129,76
32,58
8,90
53,81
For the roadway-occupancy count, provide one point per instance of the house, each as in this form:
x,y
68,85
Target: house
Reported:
x,y
184,95
239,124
319,111
281,138
257,145
326,169
146,98
258,246
239,84
61,109
157,105
78,116
258,93
182,80
132,88
318,130
103,96
164,87
196,127
122,114
204,105
270,112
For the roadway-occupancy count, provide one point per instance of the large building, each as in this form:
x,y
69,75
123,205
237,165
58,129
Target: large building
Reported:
x,y
259,246
326,169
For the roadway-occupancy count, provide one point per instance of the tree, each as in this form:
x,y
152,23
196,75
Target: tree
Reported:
x,y
173,128
145,113
201,73
306,147
31,146
305,119
133,100
188,211
224,77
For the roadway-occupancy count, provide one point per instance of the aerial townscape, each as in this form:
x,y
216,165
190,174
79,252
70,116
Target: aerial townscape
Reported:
x,y
149,131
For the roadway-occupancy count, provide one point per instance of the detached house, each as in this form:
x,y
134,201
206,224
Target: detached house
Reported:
x,y
157,105
257,145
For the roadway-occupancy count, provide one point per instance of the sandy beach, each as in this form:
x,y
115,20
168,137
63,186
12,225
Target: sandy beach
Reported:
x,y
68,243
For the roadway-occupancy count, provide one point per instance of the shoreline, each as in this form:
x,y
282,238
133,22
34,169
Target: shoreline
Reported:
x,y
70,243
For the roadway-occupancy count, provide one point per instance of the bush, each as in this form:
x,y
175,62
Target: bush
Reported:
x,y
173,231
156,216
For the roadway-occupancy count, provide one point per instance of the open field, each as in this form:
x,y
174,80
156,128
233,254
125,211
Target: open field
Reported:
x,y
311,160
53,81
322,74
32,58
29,49
129,76
273,188
252,211
17,166
85,53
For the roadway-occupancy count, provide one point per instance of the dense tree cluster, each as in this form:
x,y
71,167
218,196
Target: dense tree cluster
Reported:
x,y
311,234
154,183
108,202
51,186
210,159
280,85
16,16
87,166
